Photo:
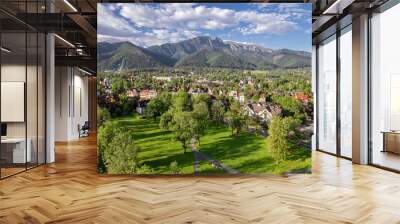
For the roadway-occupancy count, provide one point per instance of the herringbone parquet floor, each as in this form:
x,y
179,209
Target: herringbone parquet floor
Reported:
x,y
70,191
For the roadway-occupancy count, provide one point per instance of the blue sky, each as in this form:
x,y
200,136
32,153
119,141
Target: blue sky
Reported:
x,y
284,25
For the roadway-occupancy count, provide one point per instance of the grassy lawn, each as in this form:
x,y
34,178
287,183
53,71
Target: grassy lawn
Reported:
x,y
246,153
157,149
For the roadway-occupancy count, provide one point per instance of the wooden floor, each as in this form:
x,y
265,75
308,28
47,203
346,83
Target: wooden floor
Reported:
x,y
70,191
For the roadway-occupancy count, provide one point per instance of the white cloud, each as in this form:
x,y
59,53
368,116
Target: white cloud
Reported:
x,y
173,16
294,10
110,23
153,37
186,16
150,24
265,23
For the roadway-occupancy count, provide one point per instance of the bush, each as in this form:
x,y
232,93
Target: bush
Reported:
x,y
144,169
174,168
104,137
102,116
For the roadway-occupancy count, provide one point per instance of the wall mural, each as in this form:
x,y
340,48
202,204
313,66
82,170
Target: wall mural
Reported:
x,y
204,88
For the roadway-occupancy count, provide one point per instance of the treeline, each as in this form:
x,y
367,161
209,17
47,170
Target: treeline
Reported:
x,y
188,116
275,86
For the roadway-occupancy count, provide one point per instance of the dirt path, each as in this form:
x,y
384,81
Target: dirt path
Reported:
x,y
197,157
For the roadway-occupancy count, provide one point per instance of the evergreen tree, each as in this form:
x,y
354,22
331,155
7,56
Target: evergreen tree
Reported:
x,y
282,137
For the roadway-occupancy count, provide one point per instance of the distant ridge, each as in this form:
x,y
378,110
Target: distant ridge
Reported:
x,y
200,51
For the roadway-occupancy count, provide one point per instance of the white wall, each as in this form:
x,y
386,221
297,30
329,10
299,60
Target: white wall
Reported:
x,y
33,126
62,82
71,94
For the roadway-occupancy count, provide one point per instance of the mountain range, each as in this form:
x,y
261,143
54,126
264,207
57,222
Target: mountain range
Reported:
x,y
200,51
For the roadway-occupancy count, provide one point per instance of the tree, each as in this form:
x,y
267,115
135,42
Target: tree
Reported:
x,y
159,105
217,111
282,136
201,116
166,120
119,85
120,155
183,127
153,108
200,111
203,97
166,100
291,106
235,117
126,104
182,102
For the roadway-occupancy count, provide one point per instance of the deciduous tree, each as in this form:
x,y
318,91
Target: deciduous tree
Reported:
x,y
182,102
235,117
217,111
182,127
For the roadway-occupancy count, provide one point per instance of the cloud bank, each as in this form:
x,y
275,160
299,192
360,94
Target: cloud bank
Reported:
x,y
154,24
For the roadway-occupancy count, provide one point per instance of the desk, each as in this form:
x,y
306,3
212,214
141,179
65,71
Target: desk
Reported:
x,y
13,150
391,141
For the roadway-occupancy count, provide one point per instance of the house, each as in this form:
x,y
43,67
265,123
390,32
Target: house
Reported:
x,y
132,93
162,78
262,112
195,91
232,93
301,96
241,99
147,94
217,82
237,96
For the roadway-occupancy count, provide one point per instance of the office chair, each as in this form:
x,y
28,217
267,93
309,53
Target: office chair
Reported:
x,y
84,130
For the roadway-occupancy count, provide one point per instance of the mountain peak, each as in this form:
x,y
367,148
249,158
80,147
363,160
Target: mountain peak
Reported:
x,y
237,42
200,51
244,46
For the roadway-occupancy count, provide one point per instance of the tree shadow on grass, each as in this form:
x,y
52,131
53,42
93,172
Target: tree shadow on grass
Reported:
x,y
258,166
152,135
137,128
138,122
231,147
161,165
299,153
